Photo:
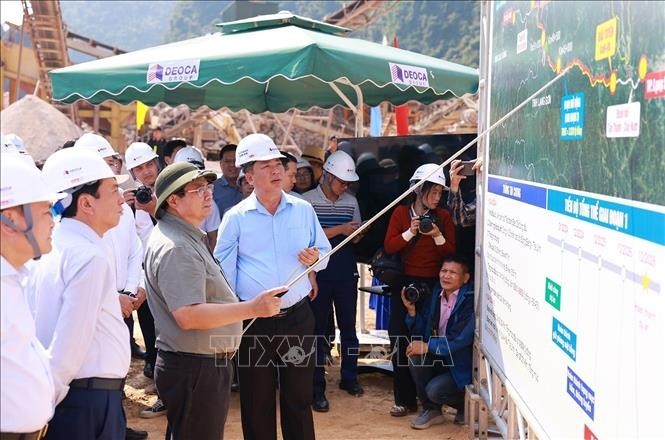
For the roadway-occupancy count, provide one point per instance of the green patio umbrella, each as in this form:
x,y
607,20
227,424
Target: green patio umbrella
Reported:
x,y
266,63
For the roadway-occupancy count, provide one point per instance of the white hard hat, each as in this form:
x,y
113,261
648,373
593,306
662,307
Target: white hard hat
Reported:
x,y
138,153
425,170
72,167
12,143
256,147
96,143
303,163
17,141
23,183
7,145
341,165
191,155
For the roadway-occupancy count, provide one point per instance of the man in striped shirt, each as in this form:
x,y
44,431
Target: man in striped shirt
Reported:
x,y
339,215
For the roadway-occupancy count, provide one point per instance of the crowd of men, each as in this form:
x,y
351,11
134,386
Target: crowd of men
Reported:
x,y
211,265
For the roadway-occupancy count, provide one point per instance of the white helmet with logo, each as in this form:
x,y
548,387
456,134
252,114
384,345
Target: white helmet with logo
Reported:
x,y
139,153
71,168
22,184
191,155
425,170
341,165
12,143
255,147
7,145
96,143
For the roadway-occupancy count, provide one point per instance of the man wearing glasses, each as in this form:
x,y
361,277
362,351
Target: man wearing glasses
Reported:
x,y
339,216
197,315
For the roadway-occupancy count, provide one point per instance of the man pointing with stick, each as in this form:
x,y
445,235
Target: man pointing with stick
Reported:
x,y
197,316
265,241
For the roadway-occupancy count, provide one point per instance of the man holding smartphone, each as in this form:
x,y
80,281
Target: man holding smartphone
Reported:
x,y
464,214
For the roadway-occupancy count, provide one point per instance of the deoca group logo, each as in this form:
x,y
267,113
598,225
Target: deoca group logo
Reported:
x,y
408,75
174,71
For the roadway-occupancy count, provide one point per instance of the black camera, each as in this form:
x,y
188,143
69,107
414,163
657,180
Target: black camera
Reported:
x,y
426,223
415,291
143,194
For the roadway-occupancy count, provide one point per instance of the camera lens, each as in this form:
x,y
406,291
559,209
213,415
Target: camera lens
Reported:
x,y
143,195
412,293
425,224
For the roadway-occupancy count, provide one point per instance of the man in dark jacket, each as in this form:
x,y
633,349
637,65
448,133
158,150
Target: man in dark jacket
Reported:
x,y
440,353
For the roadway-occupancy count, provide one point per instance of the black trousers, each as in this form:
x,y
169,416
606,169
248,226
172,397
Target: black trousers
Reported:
x,y
404,388
88,415
196,391
343,294
278,349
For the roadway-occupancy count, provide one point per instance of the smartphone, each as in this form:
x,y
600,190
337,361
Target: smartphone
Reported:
x,y
467,169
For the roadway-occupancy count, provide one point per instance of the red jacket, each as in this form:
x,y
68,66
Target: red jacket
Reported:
x,y
425,258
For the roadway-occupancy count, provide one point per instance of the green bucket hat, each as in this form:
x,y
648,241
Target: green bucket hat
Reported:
x,y
173,178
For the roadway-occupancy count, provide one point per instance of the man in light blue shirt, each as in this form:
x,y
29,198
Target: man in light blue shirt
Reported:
x,y
226,192
268,239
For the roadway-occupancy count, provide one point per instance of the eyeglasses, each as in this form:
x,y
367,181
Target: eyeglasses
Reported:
x,y
341,182
201,190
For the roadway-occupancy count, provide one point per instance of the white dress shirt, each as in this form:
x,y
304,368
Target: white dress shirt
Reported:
x,y
26,391
144,226
78,313
124,242
211,223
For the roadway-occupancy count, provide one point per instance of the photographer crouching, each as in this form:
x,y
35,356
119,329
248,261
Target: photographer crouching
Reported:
x,y
440,353
423,234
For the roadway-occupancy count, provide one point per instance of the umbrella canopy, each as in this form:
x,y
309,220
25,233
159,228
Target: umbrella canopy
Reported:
x,y
267,63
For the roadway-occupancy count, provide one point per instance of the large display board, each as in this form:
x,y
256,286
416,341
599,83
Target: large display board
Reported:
x,y
573,306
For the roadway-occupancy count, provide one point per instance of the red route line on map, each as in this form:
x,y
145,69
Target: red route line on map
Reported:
x,y
586,70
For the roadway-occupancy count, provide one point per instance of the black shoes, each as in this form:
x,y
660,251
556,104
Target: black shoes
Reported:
x,y
149,370
133,434
459,417
136,350
355,389
320,403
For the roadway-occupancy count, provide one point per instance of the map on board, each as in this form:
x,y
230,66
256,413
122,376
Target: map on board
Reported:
x,y
600,128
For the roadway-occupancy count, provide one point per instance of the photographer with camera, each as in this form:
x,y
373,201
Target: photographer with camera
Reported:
x,y
143,164
423,234
440,354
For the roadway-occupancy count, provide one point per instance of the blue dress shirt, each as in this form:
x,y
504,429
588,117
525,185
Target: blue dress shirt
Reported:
x,y
224,195
259,251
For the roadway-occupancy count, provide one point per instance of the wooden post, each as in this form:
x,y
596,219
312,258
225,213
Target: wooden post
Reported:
x,y
116,132
17,86
249,119
95,118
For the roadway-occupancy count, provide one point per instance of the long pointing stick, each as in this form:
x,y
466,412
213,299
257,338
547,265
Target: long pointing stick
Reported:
x,y
421,182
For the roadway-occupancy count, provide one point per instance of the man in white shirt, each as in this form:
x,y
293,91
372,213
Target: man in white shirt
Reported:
x,y
26,389
78,314
124,249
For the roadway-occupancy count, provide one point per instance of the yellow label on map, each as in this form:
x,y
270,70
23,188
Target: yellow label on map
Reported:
x,y
606,39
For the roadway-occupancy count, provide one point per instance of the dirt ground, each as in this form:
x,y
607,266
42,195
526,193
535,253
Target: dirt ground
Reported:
x,y
349,417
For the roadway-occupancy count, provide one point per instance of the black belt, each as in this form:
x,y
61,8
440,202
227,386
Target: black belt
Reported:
x,y
37,435
222,355
98,383
287,311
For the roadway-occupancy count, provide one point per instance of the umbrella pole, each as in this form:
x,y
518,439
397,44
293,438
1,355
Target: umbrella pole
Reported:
x,y
358,111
